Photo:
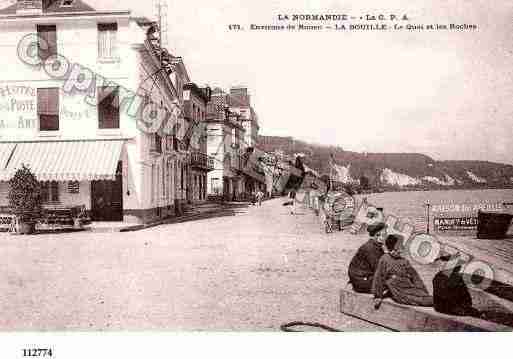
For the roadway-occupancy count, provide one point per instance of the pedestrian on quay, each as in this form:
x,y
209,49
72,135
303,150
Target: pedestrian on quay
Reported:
x,y
259,197
314,198
364,263
292,198
396,277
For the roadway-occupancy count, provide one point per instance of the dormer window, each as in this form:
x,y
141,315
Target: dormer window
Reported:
x,y
67,3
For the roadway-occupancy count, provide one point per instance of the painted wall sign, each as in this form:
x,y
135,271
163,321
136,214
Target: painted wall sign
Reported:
x,y
455,223
18,107
466,207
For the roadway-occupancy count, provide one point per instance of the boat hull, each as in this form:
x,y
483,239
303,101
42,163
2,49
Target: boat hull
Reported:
x,y
493,225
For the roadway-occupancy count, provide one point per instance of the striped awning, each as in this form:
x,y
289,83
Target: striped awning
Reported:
x,y
66,160
6,150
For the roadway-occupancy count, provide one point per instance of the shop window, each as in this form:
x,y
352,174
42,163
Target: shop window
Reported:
x,y
47,42
107,41
50,191
73,187
108,107
48,109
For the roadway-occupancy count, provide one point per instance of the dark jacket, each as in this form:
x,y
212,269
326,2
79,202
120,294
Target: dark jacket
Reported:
x,y
450,293
363,266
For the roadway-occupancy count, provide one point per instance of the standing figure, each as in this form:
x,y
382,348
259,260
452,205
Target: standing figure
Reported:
x,y
292,197
259,197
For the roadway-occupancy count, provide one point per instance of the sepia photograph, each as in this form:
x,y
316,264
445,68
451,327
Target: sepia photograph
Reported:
x,y
242,166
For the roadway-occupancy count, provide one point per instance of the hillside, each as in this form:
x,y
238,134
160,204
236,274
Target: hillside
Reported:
x,y
395,170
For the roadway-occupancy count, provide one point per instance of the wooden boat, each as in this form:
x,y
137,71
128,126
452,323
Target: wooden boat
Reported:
x,y
493,225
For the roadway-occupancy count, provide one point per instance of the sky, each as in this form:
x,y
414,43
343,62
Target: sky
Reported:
x,y
447,94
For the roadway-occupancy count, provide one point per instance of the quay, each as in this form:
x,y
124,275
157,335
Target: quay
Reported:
x,y
267,266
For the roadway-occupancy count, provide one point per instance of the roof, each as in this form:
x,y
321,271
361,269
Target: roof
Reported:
x,y
63,160
53,6
200,92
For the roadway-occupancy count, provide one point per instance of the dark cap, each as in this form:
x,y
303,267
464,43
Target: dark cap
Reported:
x,y
374,228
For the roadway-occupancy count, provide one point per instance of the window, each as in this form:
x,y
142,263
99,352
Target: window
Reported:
x,y
152,185
67,3
50,191
157,182
107,41
168,179
234,137
163,179
73,187
182,177
48,109
47,45
108,107
155,143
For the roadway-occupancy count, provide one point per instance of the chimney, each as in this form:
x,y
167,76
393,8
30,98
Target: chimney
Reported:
x,y
31,7
241,94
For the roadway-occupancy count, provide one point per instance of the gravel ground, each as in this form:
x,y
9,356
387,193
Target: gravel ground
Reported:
x,y
254,270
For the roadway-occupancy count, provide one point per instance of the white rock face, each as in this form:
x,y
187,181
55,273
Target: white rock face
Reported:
x,y
390,177
343,174
475,178
449,181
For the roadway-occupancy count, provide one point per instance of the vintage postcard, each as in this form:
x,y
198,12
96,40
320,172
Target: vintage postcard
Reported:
x,y
243,166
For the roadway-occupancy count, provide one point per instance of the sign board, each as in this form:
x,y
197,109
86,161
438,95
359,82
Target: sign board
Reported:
x,y
466,207
455,223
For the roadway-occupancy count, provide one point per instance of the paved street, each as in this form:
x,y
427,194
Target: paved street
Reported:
x,y
250,268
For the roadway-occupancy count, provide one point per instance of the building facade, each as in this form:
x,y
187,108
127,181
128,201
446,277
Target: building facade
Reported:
x,y
195,110
240,103
94,107
225,141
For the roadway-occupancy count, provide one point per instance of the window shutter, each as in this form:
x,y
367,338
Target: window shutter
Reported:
x,y
107,40
102,43
45,192
108,107
73,187
47,33
54,191
48,108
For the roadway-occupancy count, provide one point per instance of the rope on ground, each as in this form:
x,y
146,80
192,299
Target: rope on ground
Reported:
x,y
289,327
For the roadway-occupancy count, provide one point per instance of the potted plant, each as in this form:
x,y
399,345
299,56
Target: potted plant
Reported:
x,y
25,199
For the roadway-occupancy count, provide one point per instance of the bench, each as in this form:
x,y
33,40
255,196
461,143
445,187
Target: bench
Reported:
x,y
6,222
62,217
400,317
53,217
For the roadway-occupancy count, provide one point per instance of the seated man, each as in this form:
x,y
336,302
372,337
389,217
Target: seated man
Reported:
x,y
395,276
364,263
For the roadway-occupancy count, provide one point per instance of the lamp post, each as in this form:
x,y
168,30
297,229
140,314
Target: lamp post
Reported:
x,y
427,214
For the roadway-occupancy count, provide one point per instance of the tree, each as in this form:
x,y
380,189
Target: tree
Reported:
x,y
25,196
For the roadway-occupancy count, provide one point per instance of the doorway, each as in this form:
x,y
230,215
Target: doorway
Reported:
x,y
107,198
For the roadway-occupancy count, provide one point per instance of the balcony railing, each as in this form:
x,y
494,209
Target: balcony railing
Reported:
x,y
202,161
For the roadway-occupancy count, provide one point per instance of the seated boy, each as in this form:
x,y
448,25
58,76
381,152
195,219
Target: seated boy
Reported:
x,y
364,263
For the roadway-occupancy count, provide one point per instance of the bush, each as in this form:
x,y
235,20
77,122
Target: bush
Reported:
x,y
25,195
